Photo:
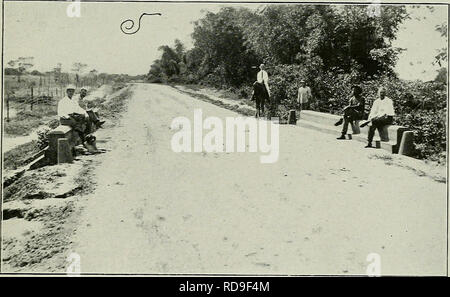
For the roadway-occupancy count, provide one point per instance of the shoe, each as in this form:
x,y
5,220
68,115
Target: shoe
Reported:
x,y
91,144
341,137
364,124
369,145
339,122
99,124
92,148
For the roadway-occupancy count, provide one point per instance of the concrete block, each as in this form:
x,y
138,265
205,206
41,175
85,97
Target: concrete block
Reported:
x,y
407,144
64,151
52,151
292,119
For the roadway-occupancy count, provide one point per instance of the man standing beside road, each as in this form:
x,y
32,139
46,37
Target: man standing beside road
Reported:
x,y
304,96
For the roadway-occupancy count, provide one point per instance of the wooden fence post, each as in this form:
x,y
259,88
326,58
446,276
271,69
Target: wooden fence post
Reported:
x,y
7,107
31,97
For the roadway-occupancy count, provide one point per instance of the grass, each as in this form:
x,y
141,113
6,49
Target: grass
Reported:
x,y
112,108
22,89
20,155
234,107
242,106
23,120
27,120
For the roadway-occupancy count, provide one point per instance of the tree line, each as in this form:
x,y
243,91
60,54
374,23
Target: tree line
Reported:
x,y
320,38
53,82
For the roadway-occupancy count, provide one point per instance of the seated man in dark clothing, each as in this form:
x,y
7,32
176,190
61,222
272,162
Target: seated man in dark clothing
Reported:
x,y
93,115
354,111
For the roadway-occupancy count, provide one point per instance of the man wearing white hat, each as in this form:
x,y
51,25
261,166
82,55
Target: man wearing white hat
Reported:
x,y
69,105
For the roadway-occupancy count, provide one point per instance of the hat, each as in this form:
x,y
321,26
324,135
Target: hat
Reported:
x,y
84,88
70,87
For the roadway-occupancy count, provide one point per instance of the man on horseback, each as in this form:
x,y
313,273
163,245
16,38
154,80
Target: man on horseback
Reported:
x,y
261,90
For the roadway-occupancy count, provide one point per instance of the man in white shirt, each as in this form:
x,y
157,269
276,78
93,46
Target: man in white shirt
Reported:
x,y
304,94
261,90
69,105
382,113
263,78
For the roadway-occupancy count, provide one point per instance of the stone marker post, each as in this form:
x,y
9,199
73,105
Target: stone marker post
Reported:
x,y
407,144
292,119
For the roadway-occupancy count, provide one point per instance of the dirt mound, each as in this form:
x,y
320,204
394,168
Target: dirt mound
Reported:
x,y
38,218
46,182
39,235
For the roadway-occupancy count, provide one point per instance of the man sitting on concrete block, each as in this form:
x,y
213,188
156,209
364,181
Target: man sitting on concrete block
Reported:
x,y
93,115
71,114
381,114
354,111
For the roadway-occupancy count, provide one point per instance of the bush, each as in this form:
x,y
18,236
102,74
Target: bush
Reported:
x,y
42,141
429,132
420,106
284,85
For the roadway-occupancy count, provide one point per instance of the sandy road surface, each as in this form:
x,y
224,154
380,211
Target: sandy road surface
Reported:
x,y
321,209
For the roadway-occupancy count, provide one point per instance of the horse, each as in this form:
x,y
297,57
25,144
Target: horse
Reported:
x,y
260,95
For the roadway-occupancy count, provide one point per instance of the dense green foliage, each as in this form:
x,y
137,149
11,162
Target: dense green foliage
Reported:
x,y
331,47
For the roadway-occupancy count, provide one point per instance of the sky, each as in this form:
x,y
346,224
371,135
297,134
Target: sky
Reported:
x,y
45,31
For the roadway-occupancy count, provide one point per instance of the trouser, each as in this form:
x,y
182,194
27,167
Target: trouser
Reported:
x,y
93,115
378,124
303,106
350,115
81,124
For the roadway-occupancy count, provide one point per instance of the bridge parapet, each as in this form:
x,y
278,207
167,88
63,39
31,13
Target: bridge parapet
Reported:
x,y
389,137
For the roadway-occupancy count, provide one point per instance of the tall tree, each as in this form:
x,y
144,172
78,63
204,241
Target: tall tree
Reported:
x,y
22,65
57,72
78,68
169,60
220,40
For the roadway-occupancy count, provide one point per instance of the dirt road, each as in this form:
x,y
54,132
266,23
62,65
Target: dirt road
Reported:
x,y
321,209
